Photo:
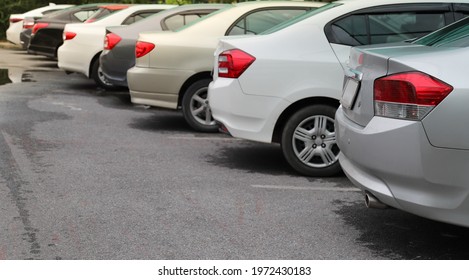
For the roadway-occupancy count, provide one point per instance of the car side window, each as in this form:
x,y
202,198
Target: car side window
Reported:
x,y
259,21
138,16
388,28
83,15
461,10
176,21
351,30
386,25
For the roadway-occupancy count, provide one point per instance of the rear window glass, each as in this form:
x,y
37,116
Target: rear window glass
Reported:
x,y
301,17
260,21
179,20
205,17
454,35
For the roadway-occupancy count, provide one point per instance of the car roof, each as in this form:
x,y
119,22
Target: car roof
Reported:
x,y
343,7
114,7
239,9
163,14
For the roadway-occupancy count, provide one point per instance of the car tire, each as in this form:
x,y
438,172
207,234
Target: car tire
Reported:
x,y
195,107
308,141
99,78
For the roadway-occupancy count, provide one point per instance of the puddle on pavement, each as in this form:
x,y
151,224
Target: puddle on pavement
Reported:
x,y
15,75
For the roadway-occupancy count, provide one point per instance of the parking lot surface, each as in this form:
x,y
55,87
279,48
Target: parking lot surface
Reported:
x,y
84,174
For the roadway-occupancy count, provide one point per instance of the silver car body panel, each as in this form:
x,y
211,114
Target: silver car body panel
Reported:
x,y
417,166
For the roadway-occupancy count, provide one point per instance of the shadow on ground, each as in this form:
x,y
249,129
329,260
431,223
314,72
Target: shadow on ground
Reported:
x,y
253,158
162,121
395,234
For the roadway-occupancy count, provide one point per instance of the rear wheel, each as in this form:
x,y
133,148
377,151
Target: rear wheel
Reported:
x,y
196,109
98,76
308,141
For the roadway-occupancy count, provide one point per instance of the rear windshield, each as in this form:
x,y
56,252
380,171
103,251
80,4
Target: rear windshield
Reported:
x,y
300,18
455,35
204,17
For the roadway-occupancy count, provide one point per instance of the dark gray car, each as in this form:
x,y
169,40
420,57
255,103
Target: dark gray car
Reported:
x,y
119,51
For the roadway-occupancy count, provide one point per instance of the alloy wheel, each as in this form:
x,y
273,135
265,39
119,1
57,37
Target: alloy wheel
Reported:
x,y
314,142
200,109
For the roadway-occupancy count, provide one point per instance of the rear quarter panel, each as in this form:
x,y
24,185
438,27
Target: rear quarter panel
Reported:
x,y
292,65
447,126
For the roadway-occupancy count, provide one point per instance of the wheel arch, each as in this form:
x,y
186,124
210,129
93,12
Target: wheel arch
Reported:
x,y
90,67
190,81
290,110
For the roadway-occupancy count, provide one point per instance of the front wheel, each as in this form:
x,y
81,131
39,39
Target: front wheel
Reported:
x,y
308,141
196,109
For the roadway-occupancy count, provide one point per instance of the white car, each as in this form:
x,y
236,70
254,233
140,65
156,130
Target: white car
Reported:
x,y
16,20
176,73
284,86
83,42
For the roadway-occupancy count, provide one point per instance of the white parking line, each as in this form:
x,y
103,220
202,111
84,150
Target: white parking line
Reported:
x,y
191,137
304,188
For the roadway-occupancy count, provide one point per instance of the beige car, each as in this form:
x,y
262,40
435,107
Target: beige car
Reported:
x,y
173,69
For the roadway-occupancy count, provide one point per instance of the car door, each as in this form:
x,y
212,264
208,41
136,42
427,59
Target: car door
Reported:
x,y
385,24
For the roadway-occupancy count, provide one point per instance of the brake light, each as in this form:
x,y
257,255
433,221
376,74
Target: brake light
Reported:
x,y
410,95
38,26
111,41
232,63
90,20
142,48
69,35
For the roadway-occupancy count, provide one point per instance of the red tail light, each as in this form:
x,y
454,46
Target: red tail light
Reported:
x,y
232,63
90,20
111,41
14,20
38,26
69,35
410,95
142,48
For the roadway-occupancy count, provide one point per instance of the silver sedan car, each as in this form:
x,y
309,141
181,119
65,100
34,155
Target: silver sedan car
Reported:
x,y
402,126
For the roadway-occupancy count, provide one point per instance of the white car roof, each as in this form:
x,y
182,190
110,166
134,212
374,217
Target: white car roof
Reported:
x,y
348,6
39,11
119,16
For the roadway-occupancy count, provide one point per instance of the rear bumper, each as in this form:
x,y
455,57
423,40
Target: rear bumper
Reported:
x,y
45,42
13,32
115,68
156,87
393,160
251,117
71,61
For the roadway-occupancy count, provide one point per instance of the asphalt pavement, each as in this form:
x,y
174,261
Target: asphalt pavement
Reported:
x,y
85,174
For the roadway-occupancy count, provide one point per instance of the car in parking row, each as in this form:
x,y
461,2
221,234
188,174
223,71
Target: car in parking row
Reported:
x,y
83,43
401,126
118,54
173,69
18,23
47,33
284,85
